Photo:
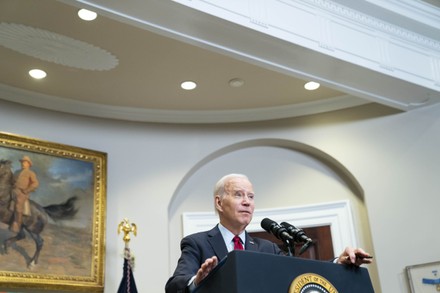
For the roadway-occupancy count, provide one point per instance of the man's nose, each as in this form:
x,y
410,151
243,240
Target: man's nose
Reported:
x,y
246,200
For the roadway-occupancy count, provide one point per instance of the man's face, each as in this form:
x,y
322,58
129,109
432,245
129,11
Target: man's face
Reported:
x,y
236,207
25,164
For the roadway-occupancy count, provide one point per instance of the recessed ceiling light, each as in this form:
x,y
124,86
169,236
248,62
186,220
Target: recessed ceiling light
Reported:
x,y
236,82
311,86
37,73
87,15
188,85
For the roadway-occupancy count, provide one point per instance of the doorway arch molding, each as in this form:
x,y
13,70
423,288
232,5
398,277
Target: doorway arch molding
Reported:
x,y
326,159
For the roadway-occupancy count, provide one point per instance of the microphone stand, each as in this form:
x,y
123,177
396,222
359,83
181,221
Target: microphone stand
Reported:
x,y
290,247
305,247
298,236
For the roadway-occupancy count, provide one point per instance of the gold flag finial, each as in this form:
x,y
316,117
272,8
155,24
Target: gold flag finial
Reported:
x,y
127,228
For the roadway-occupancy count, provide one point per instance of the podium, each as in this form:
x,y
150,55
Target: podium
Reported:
x,y
250,272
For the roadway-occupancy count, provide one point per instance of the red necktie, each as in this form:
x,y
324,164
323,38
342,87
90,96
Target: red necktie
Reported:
x,y
237,243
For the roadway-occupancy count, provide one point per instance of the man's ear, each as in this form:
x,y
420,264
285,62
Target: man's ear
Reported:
x,y
218,203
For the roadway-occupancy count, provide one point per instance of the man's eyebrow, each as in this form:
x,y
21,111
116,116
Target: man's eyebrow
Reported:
x,y
241,190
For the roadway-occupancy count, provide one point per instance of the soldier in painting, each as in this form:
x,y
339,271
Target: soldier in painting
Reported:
x,y
25,182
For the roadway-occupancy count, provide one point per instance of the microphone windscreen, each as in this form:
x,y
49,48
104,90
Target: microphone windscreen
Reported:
x,y
267,224
287,225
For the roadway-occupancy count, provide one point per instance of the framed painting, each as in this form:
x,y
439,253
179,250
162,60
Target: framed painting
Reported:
x,y
52,216
424,278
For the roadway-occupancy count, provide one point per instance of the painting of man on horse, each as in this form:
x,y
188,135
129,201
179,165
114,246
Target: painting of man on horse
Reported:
x,y
52,215
55,182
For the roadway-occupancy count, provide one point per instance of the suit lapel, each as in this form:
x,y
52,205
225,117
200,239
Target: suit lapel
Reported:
x,y
217,243
250,243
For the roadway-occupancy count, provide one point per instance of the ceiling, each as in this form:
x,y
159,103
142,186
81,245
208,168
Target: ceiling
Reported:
x,y
115,68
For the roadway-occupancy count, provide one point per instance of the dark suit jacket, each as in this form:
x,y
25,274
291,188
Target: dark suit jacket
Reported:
x,y
198,247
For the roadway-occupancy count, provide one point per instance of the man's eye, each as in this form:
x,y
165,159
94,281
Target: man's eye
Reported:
x,y
243,195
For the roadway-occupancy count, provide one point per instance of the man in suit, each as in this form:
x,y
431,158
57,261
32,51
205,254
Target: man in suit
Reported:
x,y
234,203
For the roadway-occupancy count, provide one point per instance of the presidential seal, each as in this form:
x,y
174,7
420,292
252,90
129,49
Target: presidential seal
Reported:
x,y
311,283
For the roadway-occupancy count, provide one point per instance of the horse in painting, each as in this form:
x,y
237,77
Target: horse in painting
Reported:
x,y
38,219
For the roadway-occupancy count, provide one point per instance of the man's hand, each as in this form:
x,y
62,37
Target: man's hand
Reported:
x,y
354,256
205,269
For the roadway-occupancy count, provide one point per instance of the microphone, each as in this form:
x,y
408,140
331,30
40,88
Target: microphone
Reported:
x,y
297,234
275,229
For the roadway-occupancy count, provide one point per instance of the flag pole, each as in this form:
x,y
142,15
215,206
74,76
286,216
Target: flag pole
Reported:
x,y
127,228
128,284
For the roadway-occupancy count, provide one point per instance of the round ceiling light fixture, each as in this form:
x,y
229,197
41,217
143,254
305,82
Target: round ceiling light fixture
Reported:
x,y
188,85
311,86
37,73
236,82
87,15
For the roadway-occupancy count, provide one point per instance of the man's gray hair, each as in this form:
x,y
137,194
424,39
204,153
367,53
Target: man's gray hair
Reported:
x,y
220,185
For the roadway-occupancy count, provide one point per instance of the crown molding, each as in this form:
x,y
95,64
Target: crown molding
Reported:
x,y
58,104
425,13
335,11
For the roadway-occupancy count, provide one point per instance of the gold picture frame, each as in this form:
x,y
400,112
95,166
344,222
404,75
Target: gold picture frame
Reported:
x,y
69,204
424,277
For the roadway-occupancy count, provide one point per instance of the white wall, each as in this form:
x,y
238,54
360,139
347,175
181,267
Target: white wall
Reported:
x,y
393,157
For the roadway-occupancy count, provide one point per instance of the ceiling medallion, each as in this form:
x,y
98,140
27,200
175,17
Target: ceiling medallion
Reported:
x,y
56,48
